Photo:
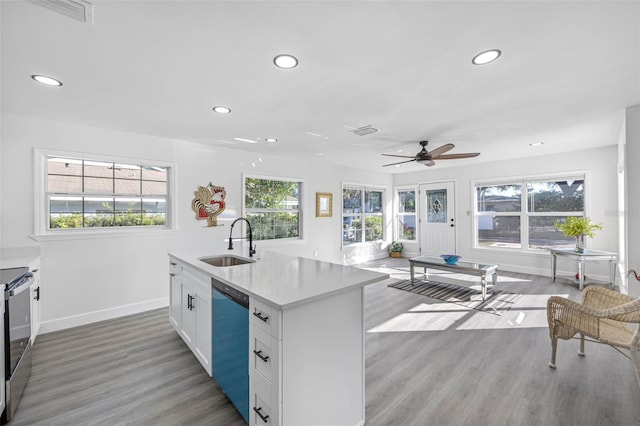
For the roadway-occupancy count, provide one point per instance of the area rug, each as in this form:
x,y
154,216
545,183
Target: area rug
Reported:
x,y
464,296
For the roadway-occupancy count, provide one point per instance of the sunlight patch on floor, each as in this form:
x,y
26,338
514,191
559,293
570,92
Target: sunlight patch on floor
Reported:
x,y
424,317
527,311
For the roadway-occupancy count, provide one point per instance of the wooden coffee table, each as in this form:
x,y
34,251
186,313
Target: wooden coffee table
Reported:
x,y
478,269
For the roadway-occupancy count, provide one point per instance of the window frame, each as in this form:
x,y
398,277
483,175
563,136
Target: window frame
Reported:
x,y
524,214
300,209
41,226
363,214
397,214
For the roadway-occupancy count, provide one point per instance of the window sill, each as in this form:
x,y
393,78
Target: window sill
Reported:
x,y
88,235
515,251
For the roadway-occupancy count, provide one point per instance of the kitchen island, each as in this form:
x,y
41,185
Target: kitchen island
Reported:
x,y
306,332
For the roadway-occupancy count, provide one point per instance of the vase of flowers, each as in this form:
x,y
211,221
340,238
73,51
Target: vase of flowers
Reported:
x,y
395,249
578,227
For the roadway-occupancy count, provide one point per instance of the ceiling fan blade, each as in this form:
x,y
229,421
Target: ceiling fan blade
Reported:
x,y
454,156
401,162
401,156
441,150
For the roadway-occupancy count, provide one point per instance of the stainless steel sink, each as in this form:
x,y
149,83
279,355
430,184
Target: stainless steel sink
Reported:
x,y
225,260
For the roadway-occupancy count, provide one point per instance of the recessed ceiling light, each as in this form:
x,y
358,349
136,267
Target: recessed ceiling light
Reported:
x,y
46,80
536,143
486,57
221,109
285,61
244,140
271,140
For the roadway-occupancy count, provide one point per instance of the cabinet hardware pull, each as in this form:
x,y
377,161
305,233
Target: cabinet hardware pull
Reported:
x,y
37,296
172,274
173,263
259,315
189,302
34,271
265,358
264,418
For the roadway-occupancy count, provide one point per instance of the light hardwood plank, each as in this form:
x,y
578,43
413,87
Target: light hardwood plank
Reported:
x,y
463,368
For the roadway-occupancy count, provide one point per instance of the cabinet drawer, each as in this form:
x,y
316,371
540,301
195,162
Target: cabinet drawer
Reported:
x,y
263,404
265,317
265,351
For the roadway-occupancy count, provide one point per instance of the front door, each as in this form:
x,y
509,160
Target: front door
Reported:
x,y
437,219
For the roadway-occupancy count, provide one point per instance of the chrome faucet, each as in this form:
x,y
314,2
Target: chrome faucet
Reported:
x,y
252,248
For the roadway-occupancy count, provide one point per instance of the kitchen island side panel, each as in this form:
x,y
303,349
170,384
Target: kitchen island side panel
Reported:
x,y
323,361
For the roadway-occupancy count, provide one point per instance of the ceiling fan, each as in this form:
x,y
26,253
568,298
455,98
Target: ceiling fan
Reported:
x,y
427,157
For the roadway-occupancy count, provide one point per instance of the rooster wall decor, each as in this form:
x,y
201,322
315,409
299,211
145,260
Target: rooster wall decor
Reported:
x,y
209,203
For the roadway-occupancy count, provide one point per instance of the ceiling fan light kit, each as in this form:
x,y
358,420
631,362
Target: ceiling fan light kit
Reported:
x,y
427,158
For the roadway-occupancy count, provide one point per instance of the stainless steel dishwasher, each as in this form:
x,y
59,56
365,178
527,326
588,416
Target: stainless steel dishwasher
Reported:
x,y
230,343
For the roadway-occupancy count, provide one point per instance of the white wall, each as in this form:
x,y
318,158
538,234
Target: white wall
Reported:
x,y
91,279
600,166
632,195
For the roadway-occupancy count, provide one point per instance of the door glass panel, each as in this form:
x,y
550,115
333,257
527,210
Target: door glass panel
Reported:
x,y
437,206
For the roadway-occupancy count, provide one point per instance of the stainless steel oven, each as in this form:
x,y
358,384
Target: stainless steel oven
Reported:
x,y
17,335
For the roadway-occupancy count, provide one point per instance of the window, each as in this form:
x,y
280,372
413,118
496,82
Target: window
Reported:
x,y
522,214
406,218
273,207
82,193
362,214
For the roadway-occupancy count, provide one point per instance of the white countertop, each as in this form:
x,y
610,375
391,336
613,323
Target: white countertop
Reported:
x,y
16,257
281,280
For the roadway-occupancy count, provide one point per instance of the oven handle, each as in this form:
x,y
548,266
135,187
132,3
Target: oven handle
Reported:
x,y
24,284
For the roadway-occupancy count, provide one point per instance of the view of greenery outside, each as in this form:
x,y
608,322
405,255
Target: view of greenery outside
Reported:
x,y
501,221
406,215
359,203
128,218
273,208
84,193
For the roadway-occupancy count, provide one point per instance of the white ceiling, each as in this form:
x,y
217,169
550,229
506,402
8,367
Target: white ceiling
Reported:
x,y
158,67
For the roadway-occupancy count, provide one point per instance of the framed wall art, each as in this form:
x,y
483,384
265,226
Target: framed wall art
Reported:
x,y
324,204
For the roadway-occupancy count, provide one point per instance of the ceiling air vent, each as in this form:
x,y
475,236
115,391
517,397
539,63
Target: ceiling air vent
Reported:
x,y
79,10
366,130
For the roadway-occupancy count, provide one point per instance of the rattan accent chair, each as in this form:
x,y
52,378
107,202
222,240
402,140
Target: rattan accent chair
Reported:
x,y
604,315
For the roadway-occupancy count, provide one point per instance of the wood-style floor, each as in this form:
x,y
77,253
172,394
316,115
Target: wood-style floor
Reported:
x,y
427,363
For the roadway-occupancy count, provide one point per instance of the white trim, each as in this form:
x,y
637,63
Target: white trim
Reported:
x,y
384,213
301,201
395,209
523,213
41,232
119,233
102,315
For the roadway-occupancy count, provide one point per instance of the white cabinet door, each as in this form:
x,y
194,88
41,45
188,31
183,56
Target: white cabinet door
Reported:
x,y
34,268
203,331
188,315
2,377
190,309
175,303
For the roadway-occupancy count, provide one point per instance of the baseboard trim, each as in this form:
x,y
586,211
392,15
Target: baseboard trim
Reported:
x,y
101,315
